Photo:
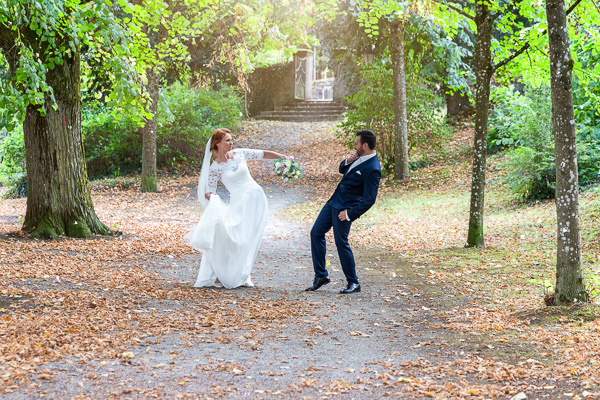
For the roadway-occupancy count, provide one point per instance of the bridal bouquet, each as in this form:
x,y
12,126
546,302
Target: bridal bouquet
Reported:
x,y
287,169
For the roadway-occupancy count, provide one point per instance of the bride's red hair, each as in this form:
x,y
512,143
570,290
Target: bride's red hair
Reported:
x,y
218,135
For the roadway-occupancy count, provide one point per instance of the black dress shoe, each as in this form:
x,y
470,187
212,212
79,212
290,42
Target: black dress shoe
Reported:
x,y
351,288
317,283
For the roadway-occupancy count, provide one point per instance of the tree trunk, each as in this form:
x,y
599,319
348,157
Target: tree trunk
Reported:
x,y
59,201
401,170
483,75
148,133
569,277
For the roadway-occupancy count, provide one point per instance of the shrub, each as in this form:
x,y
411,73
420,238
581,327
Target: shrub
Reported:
x,y
12,161
186,118
17,187
369,111
112,143
12,153
372,107
521,124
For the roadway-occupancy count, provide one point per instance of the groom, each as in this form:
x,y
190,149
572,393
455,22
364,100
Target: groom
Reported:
x,y
354,195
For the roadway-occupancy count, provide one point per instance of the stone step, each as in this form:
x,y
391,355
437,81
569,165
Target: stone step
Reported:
x,y
315,104
310,108
300,110
299,113
314,101
306,118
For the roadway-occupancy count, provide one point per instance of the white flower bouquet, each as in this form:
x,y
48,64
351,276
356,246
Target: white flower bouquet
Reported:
x,y
287,169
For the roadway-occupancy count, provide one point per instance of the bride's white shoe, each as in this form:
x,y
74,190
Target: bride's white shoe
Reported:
x,y
248,283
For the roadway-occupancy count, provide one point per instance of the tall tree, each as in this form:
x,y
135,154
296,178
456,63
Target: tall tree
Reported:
x,y
401,170
160,26
42,42
484,20
569,275
395,12
169,30
489,17
483,14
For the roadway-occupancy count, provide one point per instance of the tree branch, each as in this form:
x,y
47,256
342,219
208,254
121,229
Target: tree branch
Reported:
x,y
7,38
499,12
8,47
458,10
527,45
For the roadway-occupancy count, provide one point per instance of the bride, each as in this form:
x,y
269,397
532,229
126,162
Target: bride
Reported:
x,y
229,234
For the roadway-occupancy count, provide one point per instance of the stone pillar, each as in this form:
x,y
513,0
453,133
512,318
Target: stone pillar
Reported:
x,y
304,63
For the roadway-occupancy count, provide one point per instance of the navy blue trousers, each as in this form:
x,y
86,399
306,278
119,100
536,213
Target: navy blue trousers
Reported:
x,y
327,219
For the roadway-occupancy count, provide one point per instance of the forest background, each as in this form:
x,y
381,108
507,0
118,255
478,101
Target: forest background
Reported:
x,y
164,74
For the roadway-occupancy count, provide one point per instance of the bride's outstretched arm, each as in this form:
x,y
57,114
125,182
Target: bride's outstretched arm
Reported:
x,y
273,155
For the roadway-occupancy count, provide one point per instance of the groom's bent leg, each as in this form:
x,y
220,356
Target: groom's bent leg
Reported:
x,y
341,229
318,245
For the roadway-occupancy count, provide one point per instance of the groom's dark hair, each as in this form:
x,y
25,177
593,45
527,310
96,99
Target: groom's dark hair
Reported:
x,y
368,137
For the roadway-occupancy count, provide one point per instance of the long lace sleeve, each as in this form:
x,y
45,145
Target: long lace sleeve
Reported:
x,y
214,176
250,154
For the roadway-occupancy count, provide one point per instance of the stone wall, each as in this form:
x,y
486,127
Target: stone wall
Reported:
x,y
270,87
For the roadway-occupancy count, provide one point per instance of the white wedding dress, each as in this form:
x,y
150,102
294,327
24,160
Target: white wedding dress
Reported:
x,y
229,234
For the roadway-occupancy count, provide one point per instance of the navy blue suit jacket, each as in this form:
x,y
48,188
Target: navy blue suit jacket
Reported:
x,y
357,191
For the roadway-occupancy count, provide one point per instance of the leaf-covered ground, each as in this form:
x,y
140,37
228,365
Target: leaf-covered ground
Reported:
x,y
117,317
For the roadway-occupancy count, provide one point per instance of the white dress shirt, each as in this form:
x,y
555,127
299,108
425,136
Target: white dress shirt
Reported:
x,y
360,160
356,162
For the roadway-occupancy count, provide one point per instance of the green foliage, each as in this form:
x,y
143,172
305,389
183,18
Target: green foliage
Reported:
x,y
592,286
186,118
12,161
531,173
372,108
41,35
521,124
112,144
369,110
234,37
586,100
12,153
17,187
517,120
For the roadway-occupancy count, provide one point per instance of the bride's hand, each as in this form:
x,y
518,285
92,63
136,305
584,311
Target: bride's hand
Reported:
x,y
208,194
288,157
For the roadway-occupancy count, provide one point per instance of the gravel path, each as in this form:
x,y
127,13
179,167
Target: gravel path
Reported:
x,y
334,350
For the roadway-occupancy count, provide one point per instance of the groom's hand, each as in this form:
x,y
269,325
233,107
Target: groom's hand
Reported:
x,y
352,158
342,216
